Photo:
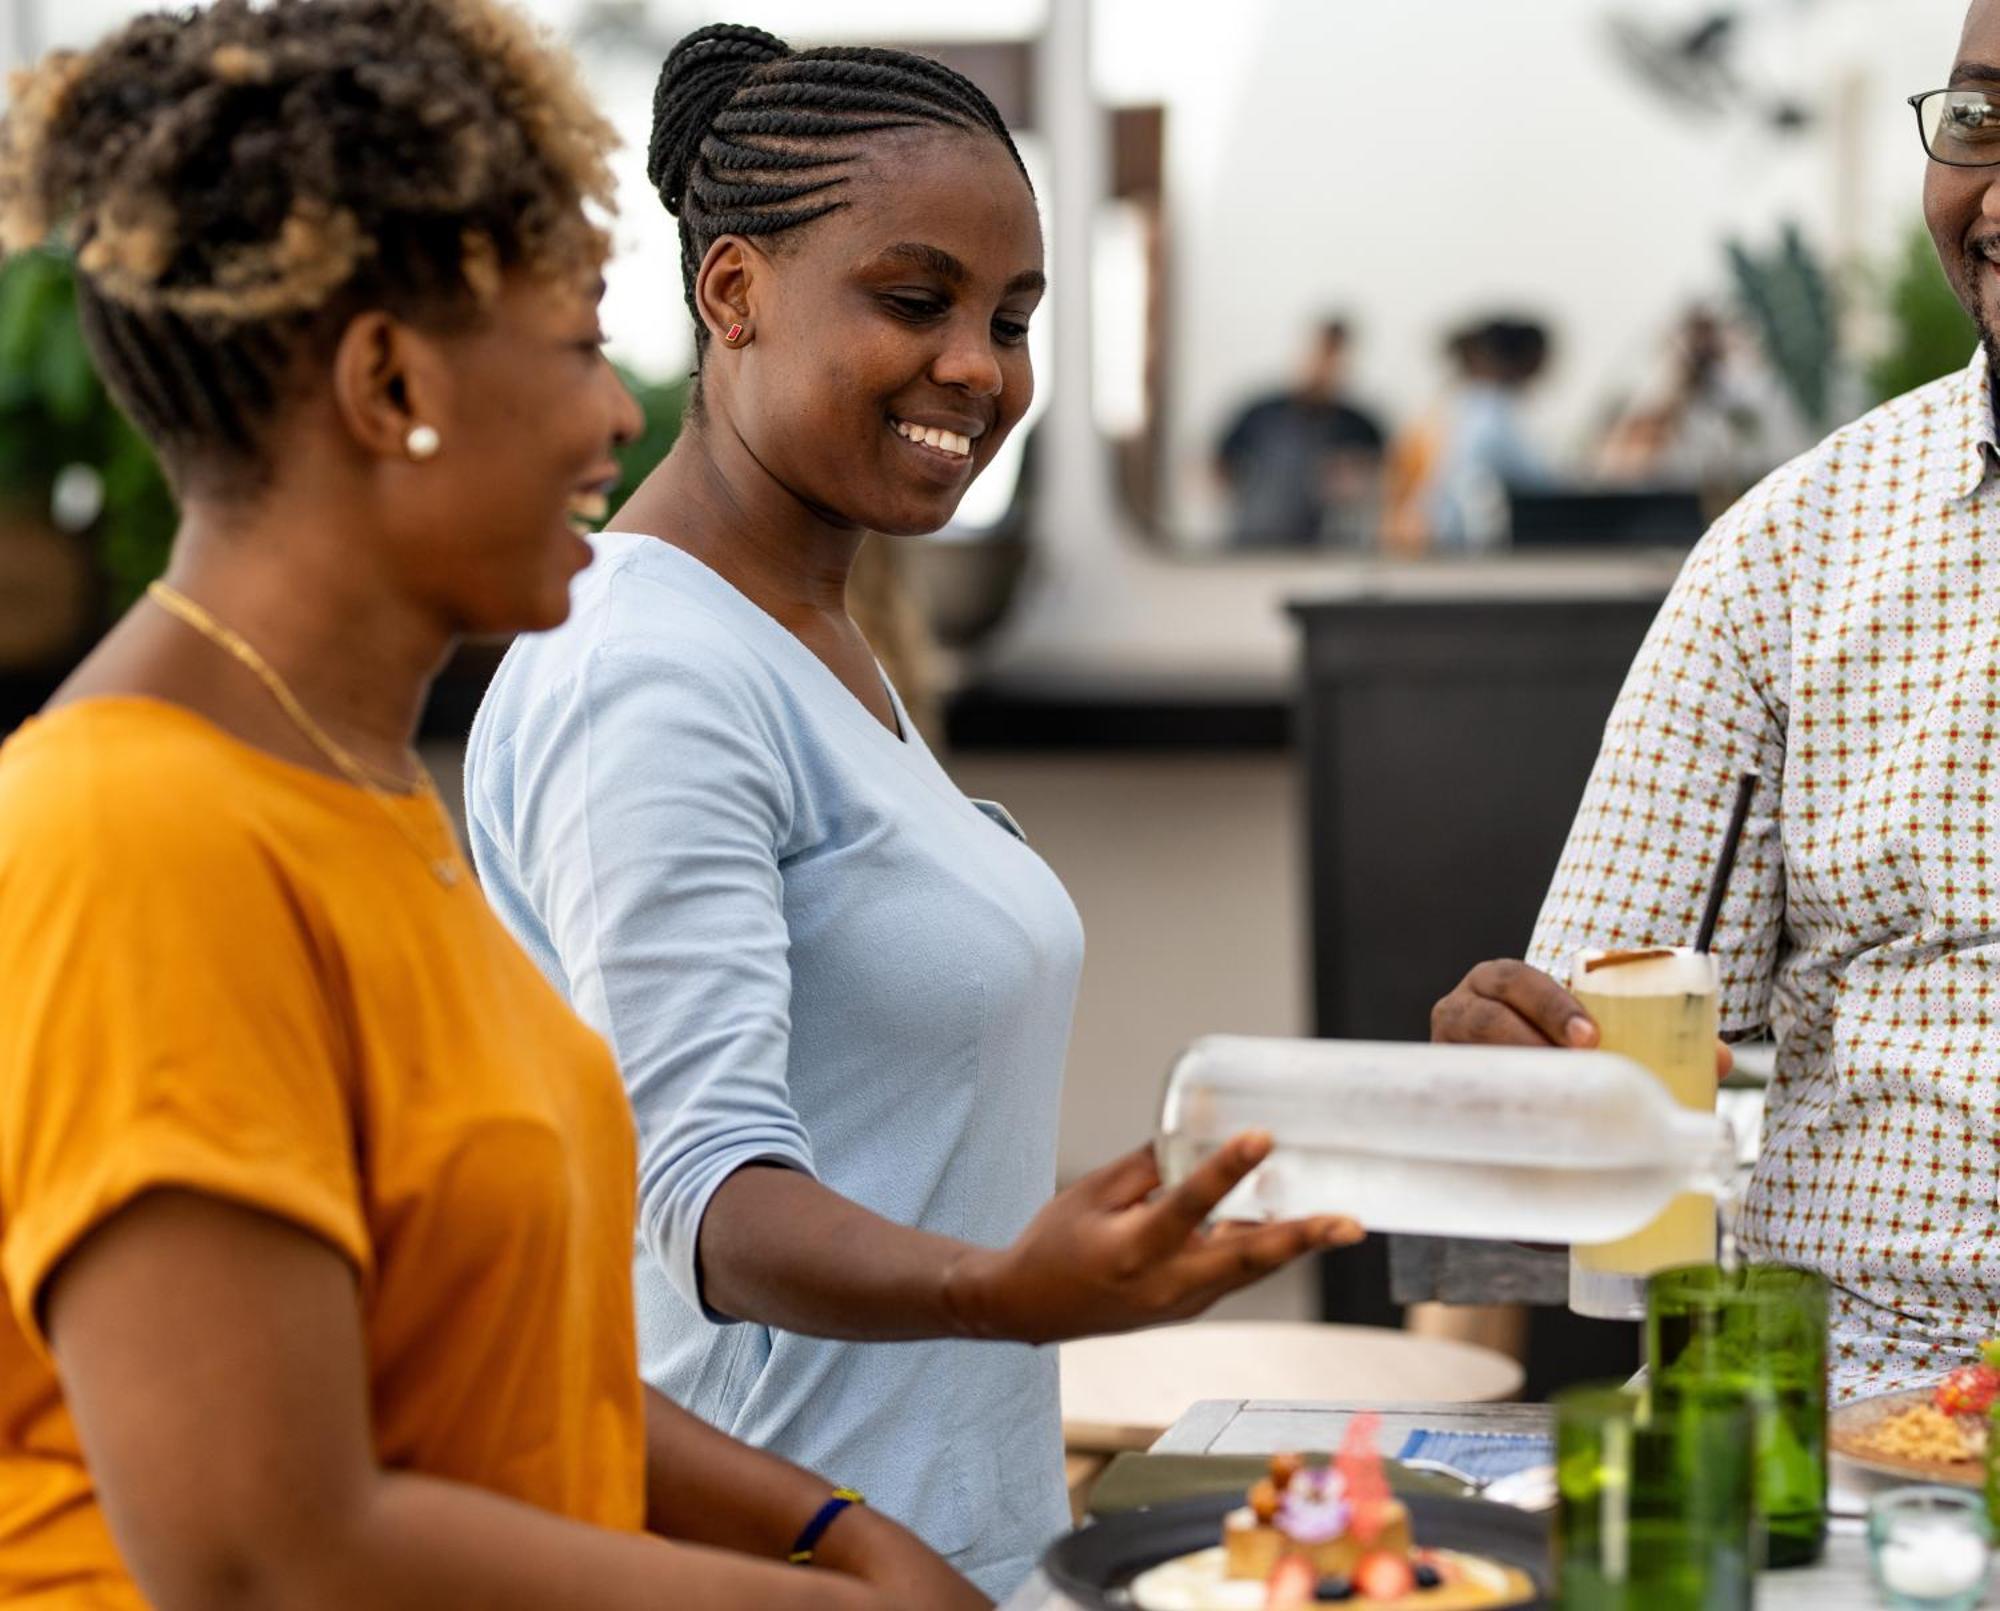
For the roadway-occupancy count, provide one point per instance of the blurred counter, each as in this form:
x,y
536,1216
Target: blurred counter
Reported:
x,y
1146,625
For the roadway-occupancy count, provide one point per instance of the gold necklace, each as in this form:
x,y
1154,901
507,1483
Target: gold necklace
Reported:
x,y
184,609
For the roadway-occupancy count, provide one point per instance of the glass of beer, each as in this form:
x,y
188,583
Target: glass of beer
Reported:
x,y
1658,1008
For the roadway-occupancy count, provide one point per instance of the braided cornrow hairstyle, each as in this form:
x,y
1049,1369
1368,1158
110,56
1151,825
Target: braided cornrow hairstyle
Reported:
x,y
753,138
237,182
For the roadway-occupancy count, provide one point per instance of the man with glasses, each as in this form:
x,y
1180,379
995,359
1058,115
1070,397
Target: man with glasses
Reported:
x,y
1837,632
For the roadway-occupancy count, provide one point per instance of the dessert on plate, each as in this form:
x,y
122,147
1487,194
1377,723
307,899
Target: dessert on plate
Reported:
x,y
1315,1535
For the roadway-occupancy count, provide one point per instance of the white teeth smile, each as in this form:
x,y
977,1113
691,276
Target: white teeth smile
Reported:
x,y
959,447
587,510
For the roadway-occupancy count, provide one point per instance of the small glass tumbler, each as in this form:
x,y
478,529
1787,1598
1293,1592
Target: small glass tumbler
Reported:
x,y
1654,1513
1759,1331
1930,1548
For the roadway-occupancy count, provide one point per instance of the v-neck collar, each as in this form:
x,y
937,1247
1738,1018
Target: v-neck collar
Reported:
x,y
781,641
705,588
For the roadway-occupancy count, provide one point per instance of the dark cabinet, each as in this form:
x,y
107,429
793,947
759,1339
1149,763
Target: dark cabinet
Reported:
x,y
1444,745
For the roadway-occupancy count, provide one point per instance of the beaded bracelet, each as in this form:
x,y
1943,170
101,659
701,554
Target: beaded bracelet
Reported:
x,y
809,1537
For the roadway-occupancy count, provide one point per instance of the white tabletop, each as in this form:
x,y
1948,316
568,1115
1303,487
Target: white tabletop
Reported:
x,y
1264,1426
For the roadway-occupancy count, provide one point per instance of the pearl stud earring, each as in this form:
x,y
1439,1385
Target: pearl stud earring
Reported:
x,y
423,442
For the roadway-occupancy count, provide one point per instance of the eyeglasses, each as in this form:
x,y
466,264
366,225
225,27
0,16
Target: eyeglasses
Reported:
x,y
1960,127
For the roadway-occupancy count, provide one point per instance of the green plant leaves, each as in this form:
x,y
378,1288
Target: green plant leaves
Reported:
x,y
1789,301
1929,333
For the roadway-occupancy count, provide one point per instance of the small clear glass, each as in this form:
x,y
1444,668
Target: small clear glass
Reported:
x,y
1931,1549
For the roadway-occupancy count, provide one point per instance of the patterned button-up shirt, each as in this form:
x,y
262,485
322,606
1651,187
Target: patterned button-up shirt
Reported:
x,y
1838,632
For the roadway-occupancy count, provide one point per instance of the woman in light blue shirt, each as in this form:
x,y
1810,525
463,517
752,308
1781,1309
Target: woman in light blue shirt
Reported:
x,y
839,990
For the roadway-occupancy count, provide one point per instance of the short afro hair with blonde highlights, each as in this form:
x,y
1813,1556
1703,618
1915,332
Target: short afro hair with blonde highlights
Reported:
x,y
238,181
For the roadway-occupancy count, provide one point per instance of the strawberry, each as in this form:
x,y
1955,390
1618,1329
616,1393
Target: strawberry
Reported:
x,y
1384,1577
1292,1583
1969,1390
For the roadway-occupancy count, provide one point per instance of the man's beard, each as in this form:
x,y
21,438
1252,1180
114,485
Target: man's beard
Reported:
x,y
1989,338
1978,269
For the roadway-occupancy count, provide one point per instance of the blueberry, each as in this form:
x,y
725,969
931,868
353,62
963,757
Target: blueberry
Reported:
x,y
1428,1576
1332,1589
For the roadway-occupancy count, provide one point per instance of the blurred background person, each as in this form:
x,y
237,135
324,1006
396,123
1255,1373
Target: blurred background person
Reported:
x,y
1488,450
1411,463
1450,475
1710,416
1304,465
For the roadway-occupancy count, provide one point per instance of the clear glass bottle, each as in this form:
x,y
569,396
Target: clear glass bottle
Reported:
x,y
1503,1143
1993,1467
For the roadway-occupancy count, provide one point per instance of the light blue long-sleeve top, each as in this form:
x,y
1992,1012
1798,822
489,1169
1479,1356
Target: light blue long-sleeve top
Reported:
x,y
805,945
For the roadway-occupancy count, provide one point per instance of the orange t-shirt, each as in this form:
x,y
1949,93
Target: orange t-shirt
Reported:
x,y
229,974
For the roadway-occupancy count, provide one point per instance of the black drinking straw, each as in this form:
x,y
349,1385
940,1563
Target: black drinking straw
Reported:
x,y
1746,786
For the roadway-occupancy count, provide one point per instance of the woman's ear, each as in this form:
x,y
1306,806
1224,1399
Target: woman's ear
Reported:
x,y
726,289
388,387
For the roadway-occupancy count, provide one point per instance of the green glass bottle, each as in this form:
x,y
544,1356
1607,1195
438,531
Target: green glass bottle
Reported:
x,y
1993,1465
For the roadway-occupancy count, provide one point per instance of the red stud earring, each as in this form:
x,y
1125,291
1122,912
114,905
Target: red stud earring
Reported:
x,y
732,335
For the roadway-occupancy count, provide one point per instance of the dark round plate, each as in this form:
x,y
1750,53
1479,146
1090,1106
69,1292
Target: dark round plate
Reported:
x,y
1092,1565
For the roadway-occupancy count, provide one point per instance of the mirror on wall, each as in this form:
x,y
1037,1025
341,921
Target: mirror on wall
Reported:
x,y
1456,278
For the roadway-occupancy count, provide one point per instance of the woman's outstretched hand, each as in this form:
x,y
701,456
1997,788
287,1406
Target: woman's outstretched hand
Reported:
x,y
1115,1253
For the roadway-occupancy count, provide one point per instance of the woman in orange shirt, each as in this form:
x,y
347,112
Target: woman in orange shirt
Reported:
x,y
316,1204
